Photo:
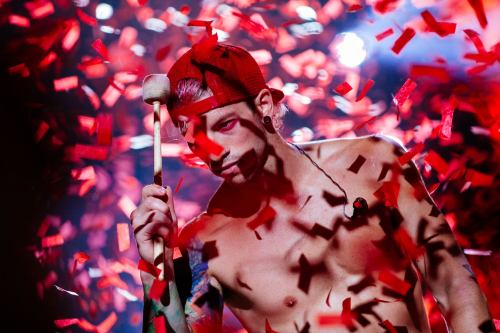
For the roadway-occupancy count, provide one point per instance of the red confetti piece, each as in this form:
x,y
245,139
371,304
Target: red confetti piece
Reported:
x,y
477,69
185,9
47,60
41,131
401,42
267,214
61,323
407,244
85,325
100,48
478,178
66,83
179,184
368,85
123,236
157,289
357,164
447,118
394,282
81,257
440,73
343,88
88,124
329,319
250,25
85,18
71,36
39,9
90,152
112,93
488,57
88,63
354,8
126,205
441,28
387,324
477,6
268,328
163,52
111,280
44,226
436,162
142,2
404,92
384,34
107,323
406,157
385,6
19,21
476,40
51,241
202,23
346,315
159,321
117,85
92,96
21,70
388,193
104,129
209,146
149,268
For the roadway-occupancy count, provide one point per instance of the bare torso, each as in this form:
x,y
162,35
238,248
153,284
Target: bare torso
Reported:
x,y
259,269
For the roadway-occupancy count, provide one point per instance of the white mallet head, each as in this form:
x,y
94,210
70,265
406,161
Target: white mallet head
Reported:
x,y
156,87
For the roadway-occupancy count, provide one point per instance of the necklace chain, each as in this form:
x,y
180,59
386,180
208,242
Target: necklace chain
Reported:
x,y
326,174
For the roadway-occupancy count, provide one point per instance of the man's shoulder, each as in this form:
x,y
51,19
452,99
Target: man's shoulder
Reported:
x,y
194,228
370,146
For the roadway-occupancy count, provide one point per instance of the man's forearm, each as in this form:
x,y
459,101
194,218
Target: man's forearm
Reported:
x,y
468,311
168,309
172,314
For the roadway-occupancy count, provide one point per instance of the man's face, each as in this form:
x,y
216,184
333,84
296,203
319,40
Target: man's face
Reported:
x,y
239,131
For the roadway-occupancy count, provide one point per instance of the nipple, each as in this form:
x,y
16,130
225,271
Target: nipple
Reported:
x,y
290,301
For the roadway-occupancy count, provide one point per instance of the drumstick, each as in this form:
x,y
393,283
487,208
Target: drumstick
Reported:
x,y
155,91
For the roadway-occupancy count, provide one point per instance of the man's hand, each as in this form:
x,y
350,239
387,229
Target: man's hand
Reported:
x,y
154,217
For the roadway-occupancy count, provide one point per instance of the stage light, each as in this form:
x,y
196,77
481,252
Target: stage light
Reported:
x,y
103,11
349,49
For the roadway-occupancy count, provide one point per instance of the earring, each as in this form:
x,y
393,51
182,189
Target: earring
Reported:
x,y
268,124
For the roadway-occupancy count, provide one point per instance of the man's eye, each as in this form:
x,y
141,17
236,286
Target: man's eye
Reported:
x,y
227,125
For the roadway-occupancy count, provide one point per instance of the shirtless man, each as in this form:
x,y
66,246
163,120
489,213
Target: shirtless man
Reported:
x,y
327,236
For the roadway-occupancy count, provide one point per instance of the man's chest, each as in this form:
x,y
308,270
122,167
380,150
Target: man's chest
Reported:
x,y
255,253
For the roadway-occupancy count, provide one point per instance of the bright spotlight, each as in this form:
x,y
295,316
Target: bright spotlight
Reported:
x,y
103,11
350,49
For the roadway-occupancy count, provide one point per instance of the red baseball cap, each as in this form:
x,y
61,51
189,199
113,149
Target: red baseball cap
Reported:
x,y
230,72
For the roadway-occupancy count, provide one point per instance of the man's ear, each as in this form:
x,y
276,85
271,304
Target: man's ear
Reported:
x,y
264,103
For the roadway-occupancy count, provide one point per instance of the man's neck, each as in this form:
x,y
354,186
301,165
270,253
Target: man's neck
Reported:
x,y
284,169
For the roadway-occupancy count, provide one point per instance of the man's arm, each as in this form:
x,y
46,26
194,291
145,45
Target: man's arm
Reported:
x,y
166,311
205,304
203,309
155,217
443,264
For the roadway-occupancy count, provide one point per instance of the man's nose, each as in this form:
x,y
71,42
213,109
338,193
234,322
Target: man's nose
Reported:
x,y
218,162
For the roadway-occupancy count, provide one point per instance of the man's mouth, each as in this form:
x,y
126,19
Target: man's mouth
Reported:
x,y
226,169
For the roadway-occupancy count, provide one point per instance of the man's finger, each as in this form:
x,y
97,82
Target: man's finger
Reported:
x,y
153,190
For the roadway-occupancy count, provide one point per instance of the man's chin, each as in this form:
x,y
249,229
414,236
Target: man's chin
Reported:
x,y
236,179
